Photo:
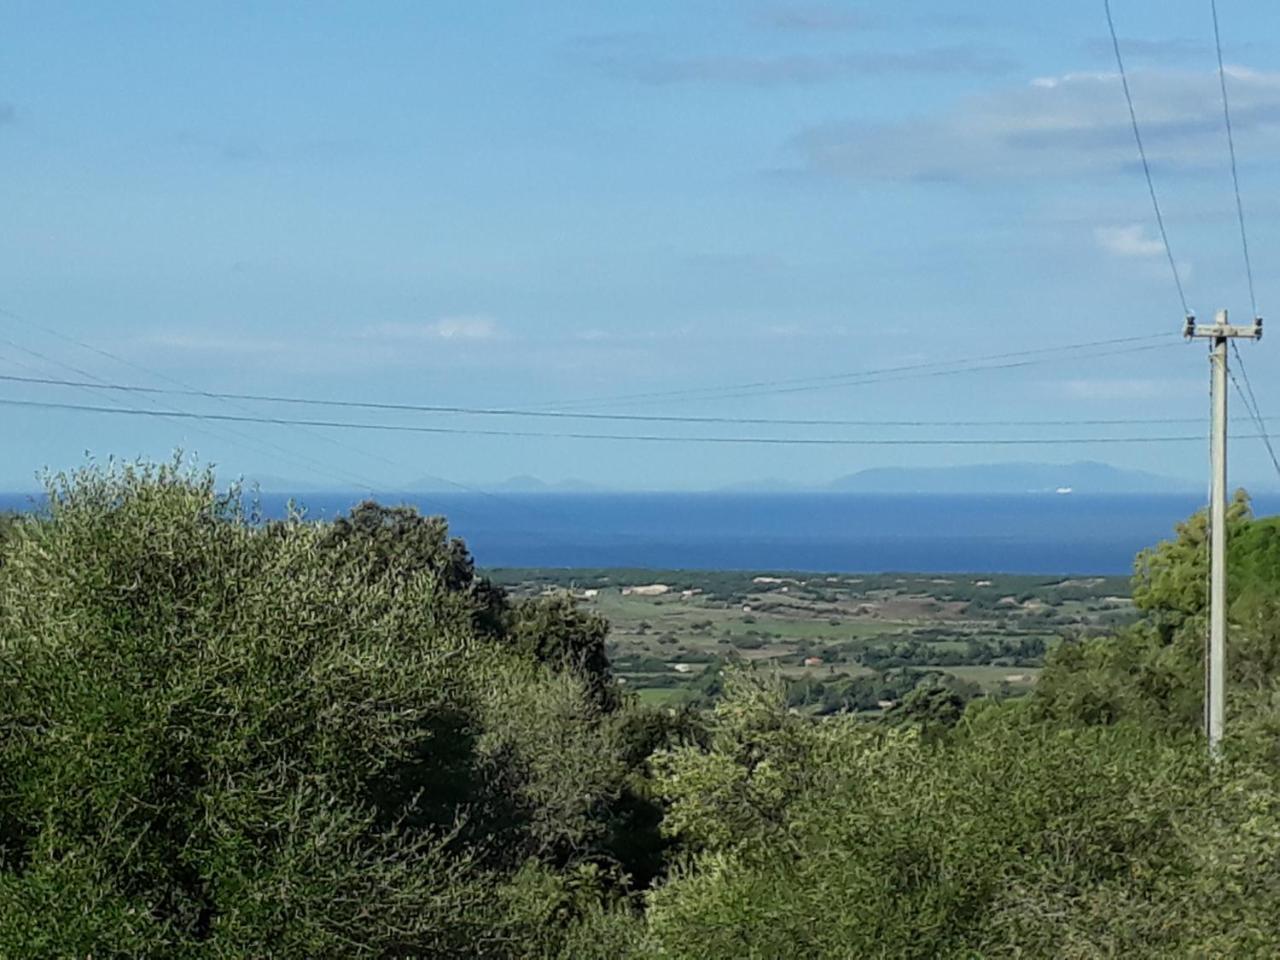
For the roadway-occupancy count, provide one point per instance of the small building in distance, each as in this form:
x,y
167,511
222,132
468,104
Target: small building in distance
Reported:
x,y
648,590
813,661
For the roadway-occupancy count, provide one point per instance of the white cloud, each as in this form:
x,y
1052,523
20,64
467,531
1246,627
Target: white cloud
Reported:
x,y
460,328
644,64
313,354
1130,388
464,328
1146,49
201,343
1128,241
1070,124
817,18
378,346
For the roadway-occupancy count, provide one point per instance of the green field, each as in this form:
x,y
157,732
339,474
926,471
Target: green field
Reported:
x,y
672,630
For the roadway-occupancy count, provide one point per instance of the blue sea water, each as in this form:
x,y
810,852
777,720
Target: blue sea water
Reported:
x,y
1034,533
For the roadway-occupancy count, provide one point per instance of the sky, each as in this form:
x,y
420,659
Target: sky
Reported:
x,y
575,206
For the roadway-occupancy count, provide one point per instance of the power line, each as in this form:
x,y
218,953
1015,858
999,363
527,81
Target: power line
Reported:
x,y
850,378
1231,148
610,417
102,387
1251,399
99,385
317,465
1142,153
647,438
1251,404
983,368
1215,673
923,370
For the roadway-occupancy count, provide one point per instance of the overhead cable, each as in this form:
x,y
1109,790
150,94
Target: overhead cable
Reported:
x,y
856,377
1251,404
1231,149
647,438
1142,154
516,412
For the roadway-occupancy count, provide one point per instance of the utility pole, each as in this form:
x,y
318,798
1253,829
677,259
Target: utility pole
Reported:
x,y
1218,333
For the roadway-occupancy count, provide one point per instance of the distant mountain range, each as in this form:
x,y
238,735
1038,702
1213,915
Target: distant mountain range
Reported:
x,y
1084,476
268,483
521,484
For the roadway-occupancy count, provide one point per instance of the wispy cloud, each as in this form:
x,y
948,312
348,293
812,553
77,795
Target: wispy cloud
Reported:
x,y
1137,50
464,328
1053,126
324,354
243,148
817,17
1130,388
697,335
956,21
219,344
460,328
233,149
1128,241
376,346
784,69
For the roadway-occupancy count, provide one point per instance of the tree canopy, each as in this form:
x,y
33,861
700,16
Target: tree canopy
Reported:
x,y
222,737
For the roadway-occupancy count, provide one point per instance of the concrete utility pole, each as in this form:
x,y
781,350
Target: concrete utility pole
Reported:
x,y
1219,332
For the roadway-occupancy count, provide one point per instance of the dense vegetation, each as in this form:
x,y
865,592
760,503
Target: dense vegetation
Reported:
x,y
224,737
988,632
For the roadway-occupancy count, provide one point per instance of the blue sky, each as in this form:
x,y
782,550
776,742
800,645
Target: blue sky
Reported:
x,y
532,205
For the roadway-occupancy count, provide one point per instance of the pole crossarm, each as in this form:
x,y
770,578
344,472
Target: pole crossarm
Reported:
x,y
1220,329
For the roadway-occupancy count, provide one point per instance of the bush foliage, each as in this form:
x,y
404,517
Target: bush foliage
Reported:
x,y
225,737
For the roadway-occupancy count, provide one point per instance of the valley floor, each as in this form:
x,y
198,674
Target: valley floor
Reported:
x,y
671,628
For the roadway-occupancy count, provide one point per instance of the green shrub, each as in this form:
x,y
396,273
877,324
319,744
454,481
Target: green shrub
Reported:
x,y
1010,839
227,739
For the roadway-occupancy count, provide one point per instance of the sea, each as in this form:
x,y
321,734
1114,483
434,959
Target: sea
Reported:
x,y
816,532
